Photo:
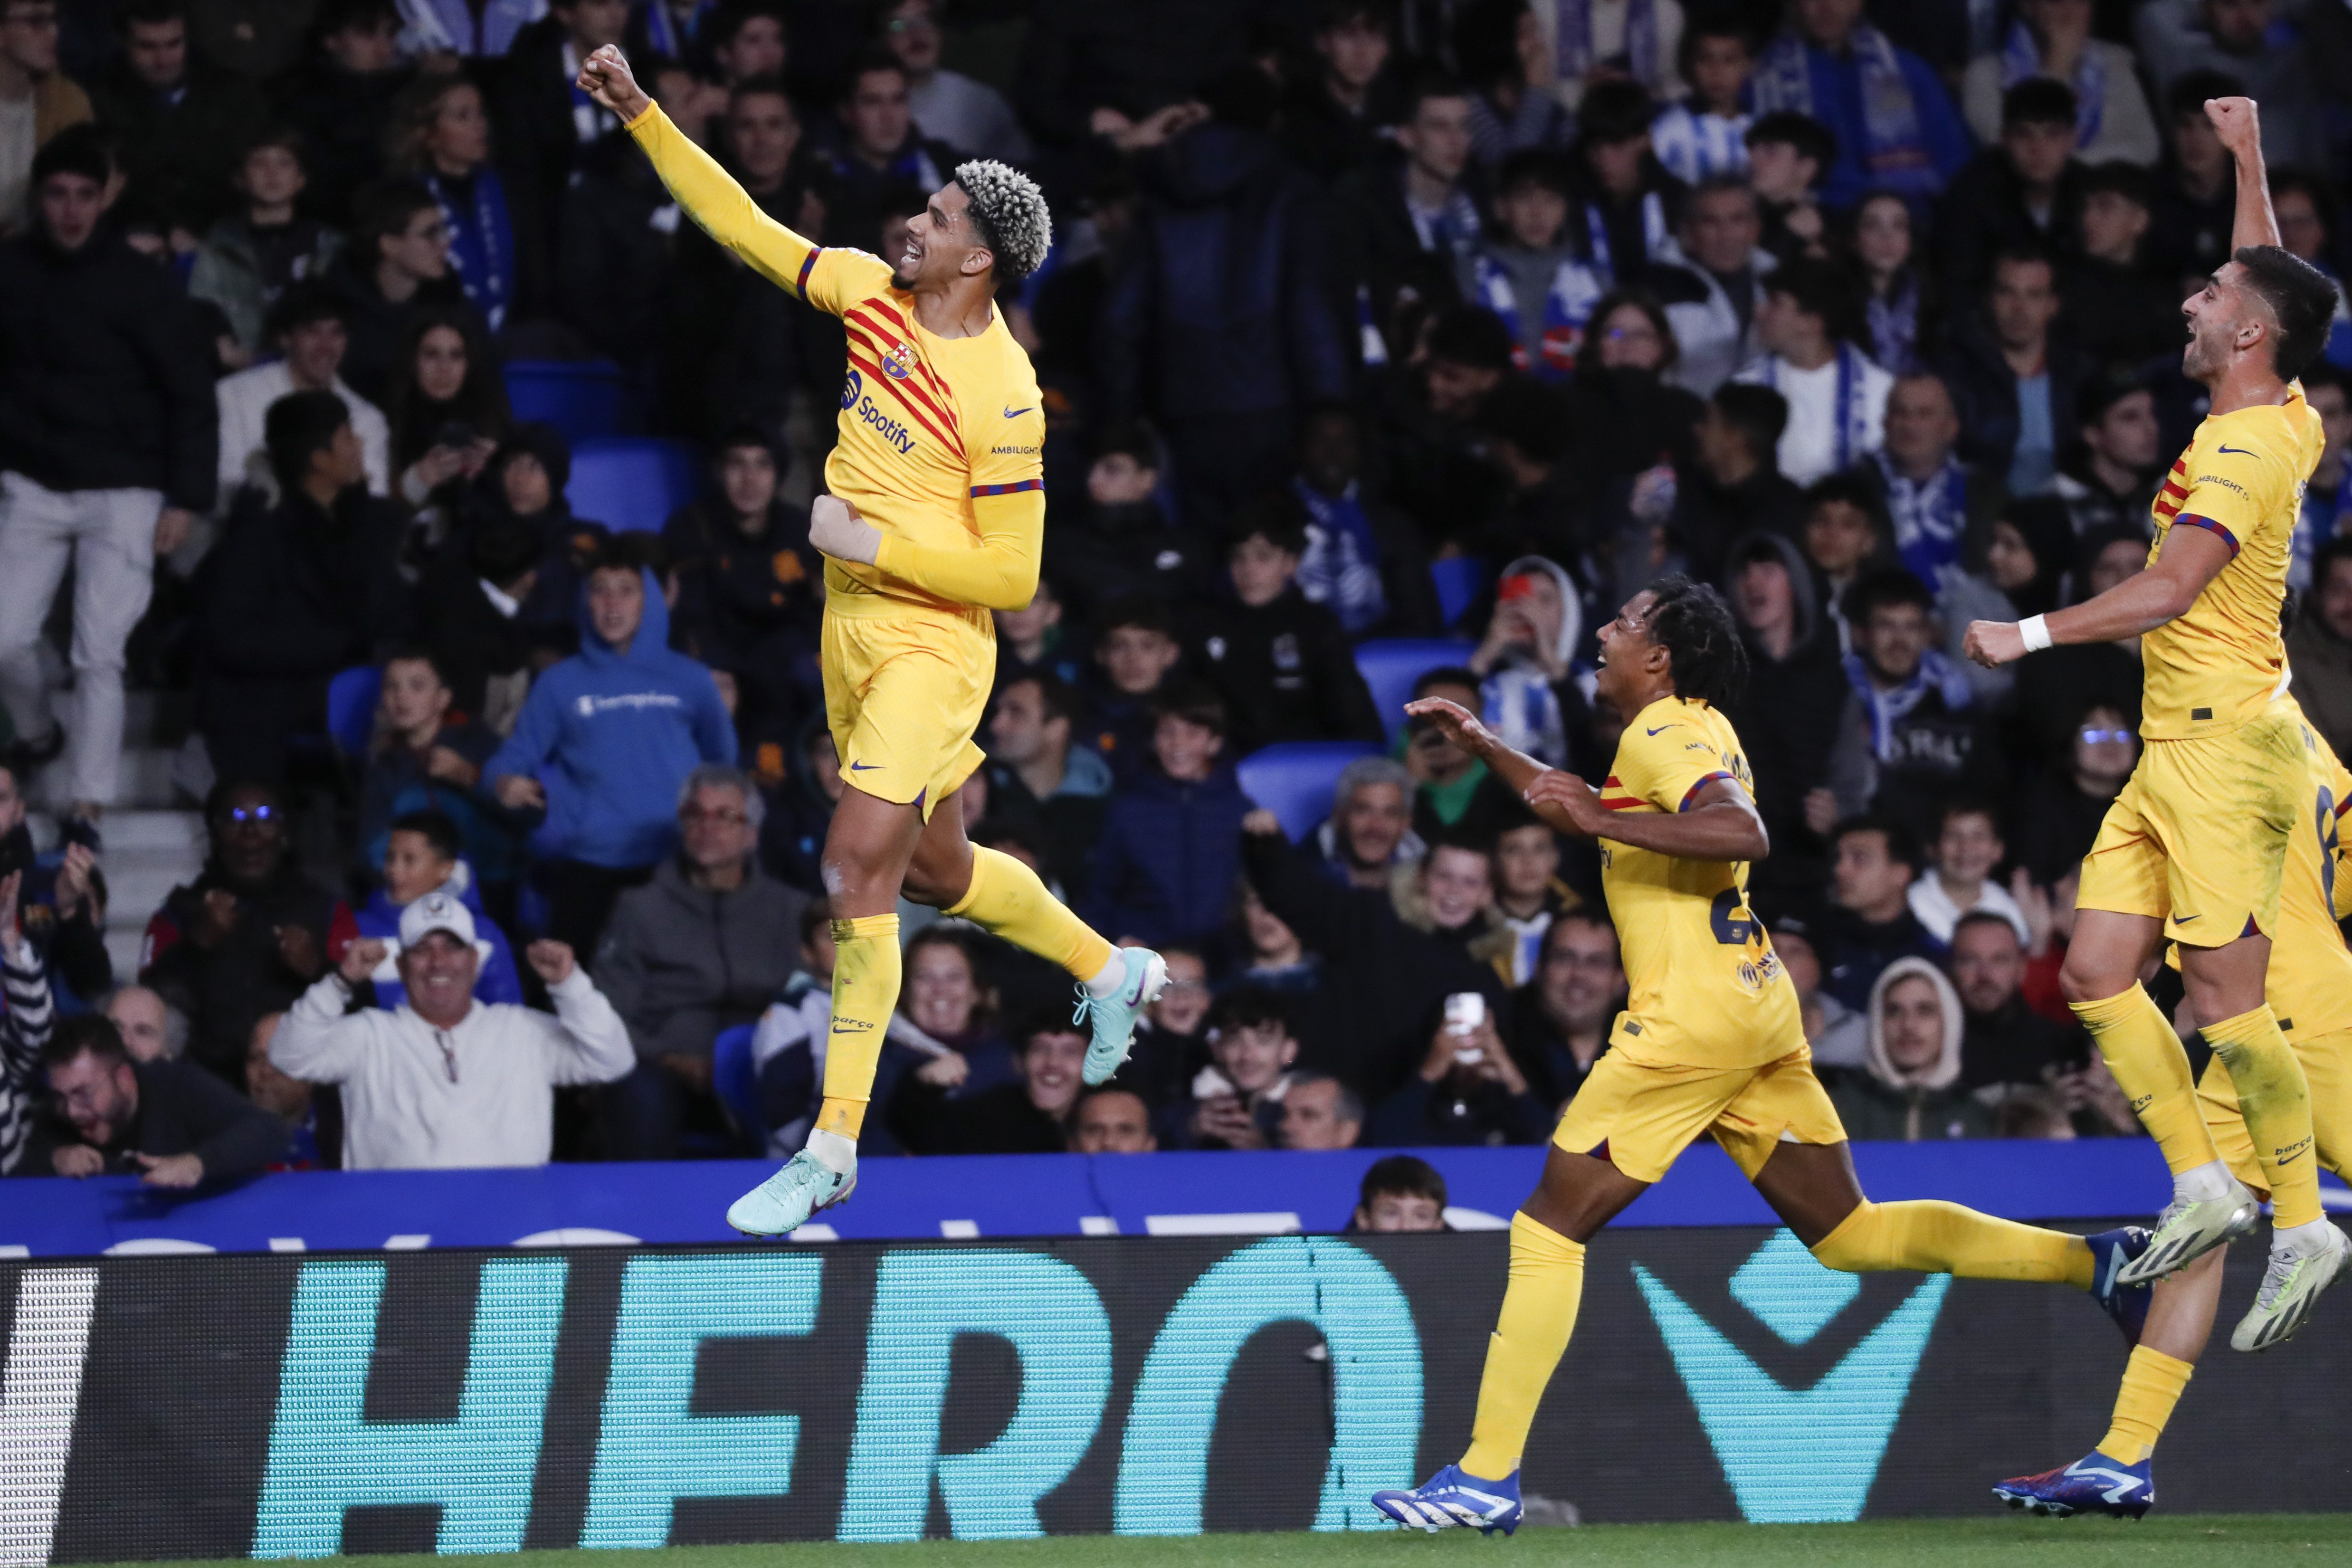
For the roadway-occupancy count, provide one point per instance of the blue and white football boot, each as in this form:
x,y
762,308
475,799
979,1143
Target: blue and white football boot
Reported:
x,y
2091,1484
781,1204
1449,1498
1112,1017
2128,1304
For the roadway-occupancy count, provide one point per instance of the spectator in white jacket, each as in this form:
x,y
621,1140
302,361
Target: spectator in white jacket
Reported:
x,y
307,331
444,1081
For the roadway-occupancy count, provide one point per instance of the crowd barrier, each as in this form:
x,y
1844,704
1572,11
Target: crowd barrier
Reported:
x,y
472,1400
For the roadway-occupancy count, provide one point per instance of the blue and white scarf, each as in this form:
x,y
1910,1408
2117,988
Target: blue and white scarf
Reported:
x,y
1894,323
2021,59
1567,308
1930,517
1852,407
481,242
1694,146
1893,150
1574,37
1341,566
1936,674
1596,235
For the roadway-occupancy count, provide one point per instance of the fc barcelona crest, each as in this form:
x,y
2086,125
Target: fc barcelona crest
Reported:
x,y
899,361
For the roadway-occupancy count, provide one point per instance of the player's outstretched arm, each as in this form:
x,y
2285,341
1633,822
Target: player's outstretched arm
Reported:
x,y
1001,574
2240,129
707,193
2191,557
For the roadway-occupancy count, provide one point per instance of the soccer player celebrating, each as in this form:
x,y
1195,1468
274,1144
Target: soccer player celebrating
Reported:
x,y
1711,1041
2309,987
2192,849
936,518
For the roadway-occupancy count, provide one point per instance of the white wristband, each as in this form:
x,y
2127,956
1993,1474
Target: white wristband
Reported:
x,y
2035,630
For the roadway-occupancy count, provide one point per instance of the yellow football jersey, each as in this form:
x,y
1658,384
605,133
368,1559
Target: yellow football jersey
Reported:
x,y
1705,989
2242,477
929,426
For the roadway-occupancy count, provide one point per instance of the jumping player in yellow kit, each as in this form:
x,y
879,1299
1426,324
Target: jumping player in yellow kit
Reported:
x,y
1711,1044
935,518
2192,850
2309,987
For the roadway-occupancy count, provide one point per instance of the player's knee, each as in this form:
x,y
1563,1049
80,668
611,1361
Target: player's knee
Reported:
x,y
2082,980
1848,1248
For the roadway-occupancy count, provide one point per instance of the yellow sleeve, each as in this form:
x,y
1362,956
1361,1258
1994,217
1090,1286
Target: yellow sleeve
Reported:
x,y
1662,766
832,280
2232,490
2338,872
998,573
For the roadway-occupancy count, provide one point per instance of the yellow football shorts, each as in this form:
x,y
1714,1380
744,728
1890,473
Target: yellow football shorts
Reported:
x,y
2197,838
2326,1062
1647,1113
904,691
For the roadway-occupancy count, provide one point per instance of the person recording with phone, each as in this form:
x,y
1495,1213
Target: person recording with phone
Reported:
x,y
1468,1090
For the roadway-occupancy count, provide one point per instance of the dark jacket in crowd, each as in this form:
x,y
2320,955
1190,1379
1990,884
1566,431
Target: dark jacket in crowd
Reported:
x,y
1857,951
106,379
1103,554
226,987
1372,238
1874,1110
1285,672
376,329
2120,315
1164,867
1064,826
1220,308
1983,212
1384,984
292,594
179,153
1448,1113
2014,1044
342,116
1987,390
396,783
74,950
998,1121
183,1110
471,639
1135,56
1710,519
681,963
613,253
746,602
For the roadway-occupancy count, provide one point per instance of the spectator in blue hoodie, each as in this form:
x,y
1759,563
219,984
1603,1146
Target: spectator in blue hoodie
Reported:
x,y
605,740
421,855
1170,847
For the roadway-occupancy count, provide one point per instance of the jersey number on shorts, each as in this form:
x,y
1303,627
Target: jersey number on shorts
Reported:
x,y
1733,927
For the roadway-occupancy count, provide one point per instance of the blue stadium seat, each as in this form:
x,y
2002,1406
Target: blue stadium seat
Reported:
x,y
631,483
1293,779
351,708
582,399
1460,579
736,1080
1390,665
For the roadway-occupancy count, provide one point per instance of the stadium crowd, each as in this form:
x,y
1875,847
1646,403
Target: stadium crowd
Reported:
x,y
1365,320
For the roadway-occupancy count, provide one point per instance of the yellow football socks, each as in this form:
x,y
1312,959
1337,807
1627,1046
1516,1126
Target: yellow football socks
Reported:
x,y
1530,1334
864,990
1937,1238
2153,1383
2276,1103
1006,897
2152,1070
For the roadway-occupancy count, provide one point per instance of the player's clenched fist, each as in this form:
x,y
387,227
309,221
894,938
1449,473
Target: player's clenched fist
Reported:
x,y
1994,643
2236,122
605,77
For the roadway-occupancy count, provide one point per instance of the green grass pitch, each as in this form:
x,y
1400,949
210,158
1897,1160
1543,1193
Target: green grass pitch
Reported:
x,y
2194,1540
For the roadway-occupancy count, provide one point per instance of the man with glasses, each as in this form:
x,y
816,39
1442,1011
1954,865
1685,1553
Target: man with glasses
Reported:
x,y
168,1121
703,947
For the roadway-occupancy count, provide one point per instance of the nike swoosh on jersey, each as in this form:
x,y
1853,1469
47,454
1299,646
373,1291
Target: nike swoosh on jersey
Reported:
x,y
1017,413
2240,451
1661,730
2185,919
865,766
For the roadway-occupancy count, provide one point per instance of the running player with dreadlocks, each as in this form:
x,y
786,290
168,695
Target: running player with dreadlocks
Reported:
x,y
1711,1041
936,517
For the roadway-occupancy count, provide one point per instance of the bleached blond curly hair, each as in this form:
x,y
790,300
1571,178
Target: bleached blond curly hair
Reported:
x,y
1008,215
